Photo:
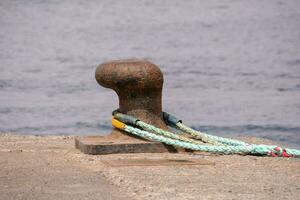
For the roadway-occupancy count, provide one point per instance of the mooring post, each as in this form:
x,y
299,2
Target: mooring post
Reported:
x,y
138,84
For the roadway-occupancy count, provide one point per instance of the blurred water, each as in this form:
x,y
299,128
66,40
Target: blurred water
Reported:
x,y
231,67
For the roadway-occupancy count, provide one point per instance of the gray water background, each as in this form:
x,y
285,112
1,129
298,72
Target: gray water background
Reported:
x,y
231,67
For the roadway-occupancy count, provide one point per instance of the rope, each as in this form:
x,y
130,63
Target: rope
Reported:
x,y
145,126
159,131
173,121
220,145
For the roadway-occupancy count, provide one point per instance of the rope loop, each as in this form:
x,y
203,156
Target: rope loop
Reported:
x,y
197,140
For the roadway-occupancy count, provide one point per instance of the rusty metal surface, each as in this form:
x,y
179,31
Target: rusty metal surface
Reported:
x,y
101,145
138,84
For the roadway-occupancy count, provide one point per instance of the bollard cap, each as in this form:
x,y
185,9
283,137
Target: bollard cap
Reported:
x,y
132,74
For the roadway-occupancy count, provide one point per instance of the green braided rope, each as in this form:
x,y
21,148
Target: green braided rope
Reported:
x,y
162,132
136,122
293,152
224,145
243,150
209,138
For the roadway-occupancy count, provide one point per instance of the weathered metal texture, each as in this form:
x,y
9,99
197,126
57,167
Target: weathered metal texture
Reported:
x,y
138,83
101,145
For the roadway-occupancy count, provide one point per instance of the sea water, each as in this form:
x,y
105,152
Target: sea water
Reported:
x,y
230,67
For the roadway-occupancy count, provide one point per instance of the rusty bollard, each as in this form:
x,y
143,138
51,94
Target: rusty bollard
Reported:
x,y
138,84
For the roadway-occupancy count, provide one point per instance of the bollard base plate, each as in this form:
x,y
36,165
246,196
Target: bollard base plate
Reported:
x,y
101,145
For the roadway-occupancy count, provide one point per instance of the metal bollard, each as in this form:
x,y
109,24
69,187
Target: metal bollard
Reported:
x,y
138,84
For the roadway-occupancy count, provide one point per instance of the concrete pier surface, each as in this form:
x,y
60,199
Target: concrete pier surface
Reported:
x,y
49,167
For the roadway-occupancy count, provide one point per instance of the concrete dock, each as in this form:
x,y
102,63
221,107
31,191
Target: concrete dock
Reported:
x,y
49,167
